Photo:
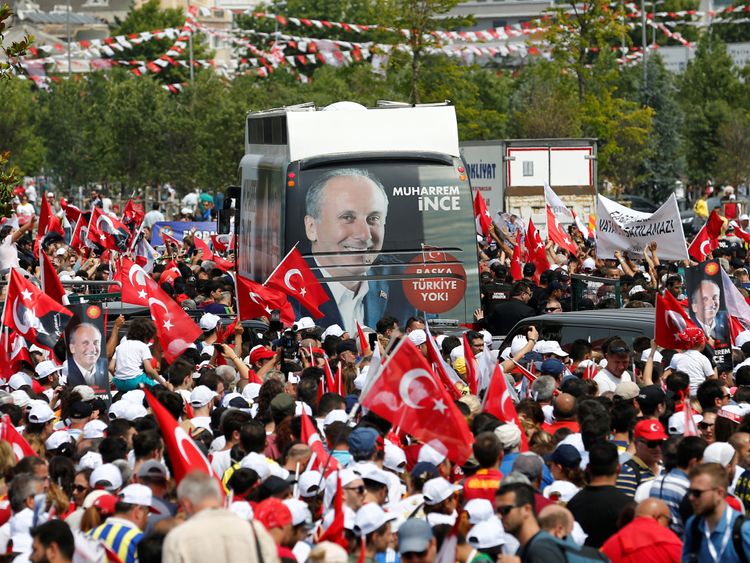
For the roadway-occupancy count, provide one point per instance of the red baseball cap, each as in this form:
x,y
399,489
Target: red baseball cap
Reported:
x,y
261,353
650,430
273,513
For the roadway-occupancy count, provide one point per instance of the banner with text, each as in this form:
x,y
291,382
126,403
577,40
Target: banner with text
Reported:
x,y
178,229
621,228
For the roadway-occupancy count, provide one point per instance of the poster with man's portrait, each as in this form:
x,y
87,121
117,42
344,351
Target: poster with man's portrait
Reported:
x,y
85,345
707,309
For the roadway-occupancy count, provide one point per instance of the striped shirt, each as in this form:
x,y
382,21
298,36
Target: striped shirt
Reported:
x,y
630,478
672,488
121,536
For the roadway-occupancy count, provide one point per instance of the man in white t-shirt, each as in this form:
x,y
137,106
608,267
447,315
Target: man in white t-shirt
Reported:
x,y
692,362
618,360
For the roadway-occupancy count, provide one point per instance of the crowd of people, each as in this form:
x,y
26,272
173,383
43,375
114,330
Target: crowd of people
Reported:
x,y
623,451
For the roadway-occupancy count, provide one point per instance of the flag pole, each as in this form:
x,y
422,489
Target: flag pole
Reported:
x,y
280,263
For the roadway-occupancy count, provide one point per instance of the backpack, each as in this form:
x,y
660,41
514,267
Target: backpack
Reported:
x,y
697,537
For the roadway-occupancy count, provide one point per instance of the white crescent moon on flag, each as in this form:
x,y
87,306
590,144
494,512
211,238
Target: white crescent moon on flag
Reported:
x,y
110,227
140,275
288,279
181,437
705,252
408,378
23,328
154,301
254,298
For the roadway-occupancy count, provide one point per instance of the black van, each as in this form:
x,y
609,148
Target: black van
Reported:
x,y
593,326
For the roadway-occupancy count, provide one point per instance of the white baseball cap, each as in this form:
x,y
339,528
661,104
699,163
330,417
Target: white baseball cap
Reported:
x,y
431,455
86,392
45,368
304,323
136,396
40,413
479,509
137,494
127,410
333,330
300,512
336,415
589,264
370,518
395,458
644,356
251,392
243,509
90,460
486,534
94,429
551,347
377,475
20,398
57,439
18,380
106,473
741,338
209,321
201,396
718,452
257,462
437,490
418,337
310,484
457,352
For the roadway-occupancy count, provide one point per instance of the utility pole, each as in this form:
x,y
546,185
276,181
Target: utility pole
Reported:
x,y
190,51
643,43
67,31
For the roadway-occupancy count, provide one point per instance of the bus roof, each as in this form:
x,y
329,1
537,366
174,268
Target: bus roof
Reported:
x,y
313,133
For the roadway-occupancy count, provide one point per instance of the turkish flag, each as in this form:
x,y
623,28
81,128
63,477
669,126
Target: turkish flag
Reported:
x,y
221,263
472,368
79,233
295,278
8,433
558,235
133,214
183,453
536,250
222,243
516,265
335,530
255,300
48,223
175,329
13,350
33,314
671,320
107,231
702,246
498,403
72,213
320,457
482,217
170,273
51,284
169,241
690,428
364,345
409,395
715,224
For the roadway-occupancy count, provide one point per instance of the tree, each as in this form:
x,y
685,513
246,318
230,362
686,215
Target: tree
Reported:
x,y
18,128
734,142
709,88
579,33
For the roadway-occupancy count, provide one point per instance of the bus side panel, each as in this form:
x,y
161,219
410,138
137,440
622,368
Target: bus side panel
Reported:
x,y
261,222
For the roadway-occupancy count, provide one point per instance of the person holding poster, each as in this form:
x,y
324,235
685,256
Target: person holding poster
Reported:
x,y
85,364
707,308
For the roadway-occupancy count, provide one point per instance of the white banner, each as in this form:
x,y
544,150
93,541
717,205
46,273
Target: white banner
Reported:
x,y
621,228
561,211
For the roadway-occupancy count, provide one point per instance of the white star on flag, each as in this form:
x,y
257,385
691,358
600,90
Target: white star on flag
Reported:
x,y
167,324
142,294
26,295
440,406
302,291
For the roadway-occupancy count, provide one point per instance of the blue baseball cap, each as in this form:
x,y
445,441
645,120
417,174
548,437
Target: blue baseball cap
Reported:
x,y
565,455
363,440
552,366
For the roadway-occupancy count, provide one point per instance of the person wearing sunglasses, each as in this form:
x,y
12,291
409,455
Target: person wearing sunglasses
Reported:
x,y
647,536
710,533
514,505
618,359
644,465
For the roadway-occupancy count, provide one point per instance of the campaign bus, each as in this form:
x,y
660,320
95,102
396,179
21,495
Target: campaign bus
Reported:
x,y
376,199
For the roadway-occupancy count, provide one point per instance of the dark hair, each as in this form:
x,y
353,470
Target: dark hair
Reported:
x,y
708,392
253,436
519,288
179,371
232,421
62,472
742,377
449,343
142,329
242,481
113,448
603,459
329,402
385,323
690,448
119,428
150,548
524,494
487,449
484,422
678,381
579,348
146,443
55,531
624,415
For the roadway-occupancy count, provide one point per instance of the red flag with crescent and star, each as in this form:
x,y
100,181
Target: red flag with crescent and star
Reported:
x,y
498,403
255,300
702,246
671,320
295,278
537,251
409,395
33,314
516,263
482,216
175,329
107,231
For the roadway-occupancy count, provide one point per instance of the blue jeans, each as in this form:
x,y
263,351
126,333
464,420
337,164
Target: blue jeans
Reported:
x,y
133,383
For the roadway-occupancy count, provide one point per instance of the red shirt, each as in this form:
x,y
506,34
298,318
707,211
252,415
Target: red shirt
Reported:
x,y
643,541
483,484
553,427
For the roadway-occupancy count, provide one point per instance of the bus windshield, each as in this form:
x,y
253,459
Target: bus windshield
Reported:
x,y
386,237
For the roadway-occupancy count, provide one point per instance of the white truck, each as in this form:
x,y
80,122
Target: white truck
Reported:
x,y
511,174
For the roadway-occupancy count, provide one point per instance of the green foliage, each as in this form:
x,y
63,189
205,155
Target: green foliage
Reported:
x,y
734,141
18,131
15,49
